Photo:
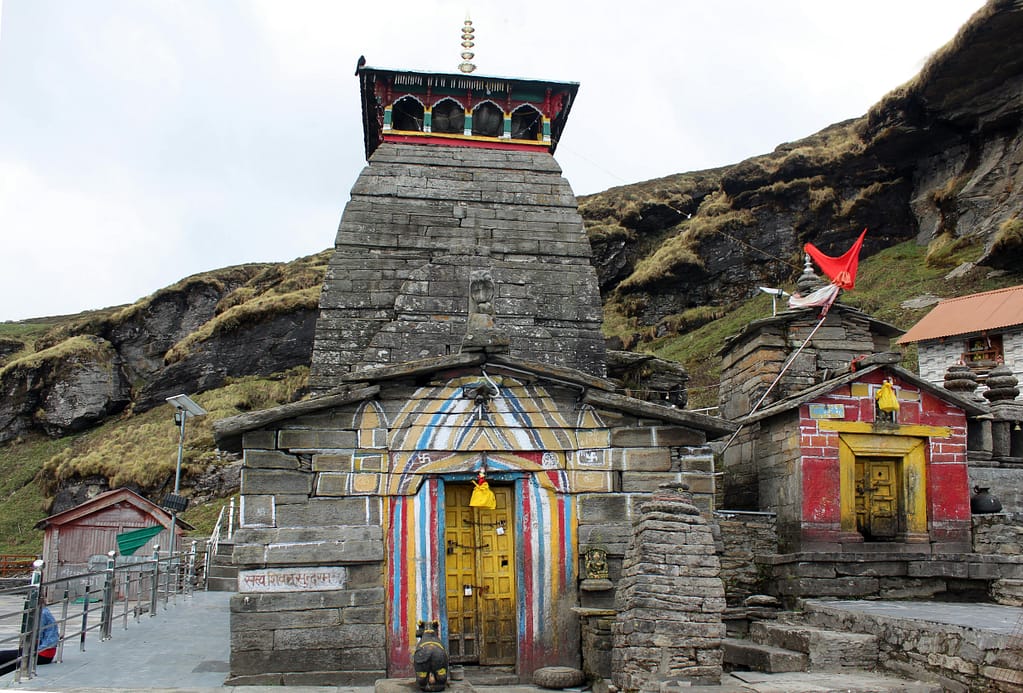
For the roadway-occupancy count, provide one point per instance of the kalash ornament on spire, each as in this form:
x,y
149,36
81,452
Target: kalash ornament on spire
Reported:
x,y
467,45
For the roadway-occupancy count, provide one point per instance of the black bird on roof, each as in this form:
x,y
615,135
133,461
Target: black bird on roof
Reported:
x,y
361,64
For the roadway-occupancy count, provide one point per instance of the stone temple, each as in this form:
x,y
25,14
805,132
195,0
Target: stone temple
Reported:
x,y
458,341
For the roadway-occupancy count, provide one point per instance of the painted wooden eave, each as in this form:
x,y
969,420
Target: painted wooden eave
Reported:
x,y
364,384
228,432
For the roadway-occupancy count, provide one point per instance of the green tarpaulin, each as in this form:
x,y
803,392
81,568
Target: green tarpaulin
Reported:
x,y
130,542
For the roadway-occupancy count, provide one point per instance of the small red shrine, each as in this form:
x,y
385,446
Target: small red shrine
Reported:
x,y
850,475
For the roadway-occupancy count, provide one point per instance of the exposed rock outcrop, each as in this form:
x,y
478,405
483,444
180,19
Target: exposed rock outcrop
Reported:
x,y
273,343
938,160
190,337
63,389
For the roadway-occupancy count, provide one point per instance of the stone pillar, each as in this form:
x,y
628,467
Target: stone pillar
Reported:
x,y
670,600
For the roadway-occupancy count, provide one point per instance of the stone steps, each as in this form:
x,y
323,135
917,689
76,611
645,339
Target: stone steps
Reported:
x,y
826,650
223,573
754,656
789,646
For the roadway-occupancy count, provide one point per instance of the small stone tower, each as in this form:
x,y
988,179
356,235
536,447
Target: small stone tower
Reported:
x,y
752,359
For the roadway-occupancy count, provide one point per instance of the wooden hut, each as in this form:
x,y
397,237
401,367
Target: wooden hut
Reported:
x,y
72,537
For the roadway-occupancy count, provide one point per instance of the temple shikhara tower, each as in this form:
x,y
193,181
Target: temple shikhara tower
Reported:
x,y
458,343
461,180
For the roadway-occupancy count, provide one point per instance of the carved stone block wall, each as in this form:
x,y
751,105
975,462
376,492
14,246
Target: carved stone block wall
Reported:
x,y
420,221
744,537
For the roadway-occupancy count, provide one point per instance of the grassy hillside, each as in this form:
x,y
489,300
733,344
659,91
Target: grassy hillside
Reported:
x,y
135,450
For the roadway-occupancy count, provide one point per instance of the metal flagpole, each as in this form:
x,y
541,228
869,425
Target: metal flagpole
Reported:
x,y
778,377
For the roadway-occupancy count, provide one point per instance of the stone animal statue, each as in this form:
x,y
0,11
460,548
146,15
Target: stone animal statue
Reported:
x,y
430,658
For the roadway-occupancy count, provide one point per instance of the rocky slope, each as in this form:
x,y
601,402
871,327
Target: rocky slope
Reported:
x,y
190,337
938,160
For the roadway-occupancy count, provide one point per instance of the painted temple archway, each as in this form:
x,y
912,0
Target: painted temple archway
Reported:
x,y
442,437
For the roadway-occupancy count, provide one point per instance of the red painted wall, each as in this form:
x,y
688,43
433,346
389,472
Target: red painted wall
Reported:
x,y
948,506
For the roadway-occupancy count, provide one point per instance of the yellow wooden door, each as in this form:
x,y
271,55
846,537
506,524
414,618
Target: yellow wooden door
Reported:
x,y
877,498
480,577
460,577
495,567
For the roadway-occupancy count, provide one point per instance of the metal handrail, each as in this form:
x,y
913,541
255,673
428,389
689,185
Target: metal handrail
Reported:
x,y
135,587
214,541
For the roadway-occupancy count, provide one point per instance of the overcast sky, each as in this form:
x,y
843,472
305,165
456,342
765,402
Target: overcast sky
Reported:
x,y
142,141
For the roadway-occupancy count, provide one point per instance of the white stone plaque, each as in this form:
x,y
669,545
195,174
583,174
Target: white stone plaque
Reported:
x,y
292,579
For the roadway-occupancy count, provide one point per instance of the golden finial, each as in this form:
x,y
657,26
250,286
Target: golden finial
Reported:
x,y
467,44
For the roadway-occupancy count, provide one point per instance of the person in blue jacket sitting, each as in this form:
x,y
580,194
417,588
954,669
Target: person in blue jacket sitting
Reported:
x,y
49,635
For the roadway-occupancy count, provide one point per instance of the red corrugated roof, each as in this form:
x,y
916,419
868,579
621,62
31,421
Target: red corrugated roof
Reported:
x,y
991,310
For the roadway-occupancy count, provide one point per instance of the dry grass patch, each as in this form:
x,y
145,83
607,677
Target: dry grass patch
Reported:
x,y
85,347
247,314
140,450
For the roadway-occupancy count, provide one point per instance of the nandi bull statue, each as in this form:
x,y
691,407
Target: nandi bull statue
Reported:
x,y
430,658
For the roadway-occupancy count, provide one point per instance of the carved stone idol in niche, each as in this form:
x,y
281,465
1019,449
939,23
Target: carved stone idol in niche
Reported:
x,y
481,292
596,564
481,332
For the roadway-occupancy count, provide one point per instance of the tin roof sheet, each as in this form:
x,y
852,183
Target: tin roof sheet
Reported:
x,y
991,310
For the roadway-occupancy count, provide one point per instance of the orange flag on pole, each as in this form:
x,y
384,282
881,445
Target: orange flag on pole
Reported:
x,y
840,270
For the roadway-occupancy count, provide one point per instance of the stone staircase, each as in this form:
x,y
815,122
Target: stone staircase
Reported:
x,y
784,646
223,575
789,645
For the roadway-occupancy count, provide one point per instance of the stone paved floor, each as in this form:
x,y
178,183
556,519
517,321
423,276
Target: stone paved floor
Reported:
x,y
185,649
990,617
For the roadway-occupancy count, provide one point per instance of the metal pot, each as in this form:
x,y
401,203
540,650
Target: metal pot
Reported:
x,y
982,502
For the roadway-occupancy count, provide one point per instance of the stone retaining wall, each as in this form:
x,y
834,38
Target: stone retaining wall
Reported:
x,y
960,658
998,534
308,638
744,536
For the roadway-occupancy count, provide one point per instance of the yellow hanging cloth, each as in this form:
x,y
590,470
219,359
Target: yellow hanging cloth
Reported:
x,y
886,398
482,496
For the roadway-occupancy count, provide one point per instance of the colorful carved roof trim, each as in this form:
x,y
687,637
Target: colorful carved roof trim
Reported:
x,y
462,110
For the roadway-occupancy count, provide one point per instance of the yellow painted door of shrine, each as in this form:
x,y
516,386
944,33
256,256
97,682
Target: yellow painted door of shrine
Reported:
x,y
480,577
877,497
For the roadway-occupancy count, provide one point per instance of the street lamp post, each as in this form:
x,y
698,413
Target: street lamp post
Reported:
x,y
184,407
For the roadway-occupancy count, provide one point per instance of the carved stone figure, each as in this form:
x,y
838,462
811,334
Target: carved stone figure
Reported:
x,y
430,658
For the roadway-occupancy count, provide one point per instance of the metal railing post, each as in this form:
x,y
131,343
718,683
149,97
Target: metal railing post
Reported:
x,y
230,522
154,594
29,640
190,577
64,603
107,615
85,614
